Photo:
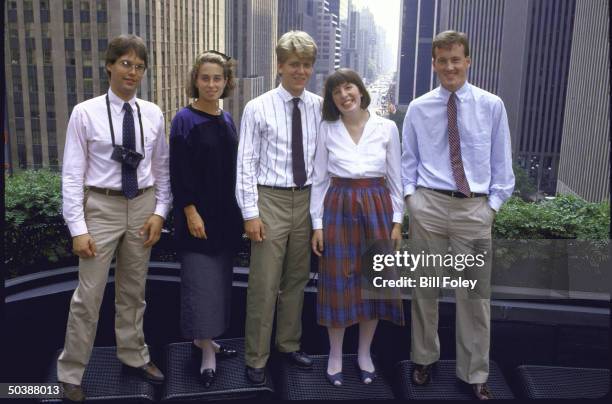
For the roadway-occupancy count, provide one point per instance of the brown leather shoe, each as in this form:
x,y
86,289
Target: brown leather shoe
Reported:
x,y
149,372
421,374
73,392
481,391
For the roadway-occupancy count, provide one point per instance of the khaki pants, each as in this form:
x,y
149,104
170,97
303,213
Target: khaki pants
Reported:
x,y
114,223
279,271
435,216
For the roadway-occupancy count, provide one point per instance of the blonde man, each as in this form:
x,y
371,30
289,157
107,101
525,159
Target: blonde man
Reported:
x,y
274,174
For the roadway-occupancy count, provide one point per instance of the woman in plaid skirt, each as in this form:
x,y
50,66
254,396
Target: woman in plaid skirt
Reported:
x,y
356,196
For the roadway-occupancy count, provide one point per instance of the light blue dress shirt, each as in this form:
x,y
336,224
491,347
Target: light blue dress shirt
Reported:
x,y
485,144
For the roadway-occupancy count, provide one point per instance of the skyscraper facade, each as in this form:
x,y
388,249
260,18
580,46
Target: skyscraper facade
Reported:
x,y
54,59
520,50
416,77
584,163
252,42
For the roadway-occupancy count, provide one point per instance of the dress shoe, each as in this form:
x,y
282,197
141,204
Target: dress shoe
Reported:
x,y
149,372
225,352
207,377
256,376
481,391
421,375
336,379
367,377
73,392
298,358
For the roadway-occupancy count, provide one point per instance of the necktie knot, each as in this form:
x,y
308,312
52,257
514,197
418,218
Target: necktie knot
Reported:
x,y
296,101
127,108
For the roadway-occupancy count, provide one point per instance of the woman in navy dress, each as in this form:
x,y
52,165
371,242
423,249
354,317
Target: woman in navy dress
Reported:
x,y
208,223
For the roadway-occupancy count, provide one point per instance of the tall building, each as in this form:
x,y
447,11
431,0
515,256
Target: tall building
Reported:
x,y
55,59
584,165
328,42
252,41
520,51
416,77
349,44
367,51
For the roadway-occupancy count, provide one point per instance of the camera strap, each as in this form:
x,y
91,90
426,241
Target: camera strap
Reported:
x,y
110,123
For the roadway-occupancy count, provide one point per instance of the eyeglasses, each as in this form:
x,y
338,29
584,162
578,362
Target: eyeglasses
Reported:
x,y
223,55
127,66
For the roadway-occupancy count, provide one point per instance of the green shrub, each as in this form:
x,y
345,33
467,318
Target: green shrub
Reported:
x,y
35,234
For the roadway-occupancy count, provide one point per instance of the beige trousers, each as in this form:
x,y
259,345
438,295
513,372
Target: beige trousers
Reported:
x,y
465,225
114,223
279,272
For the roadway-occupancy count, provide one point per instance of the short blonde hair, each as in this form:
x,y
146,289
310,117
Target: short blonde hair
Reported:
x,y
298,43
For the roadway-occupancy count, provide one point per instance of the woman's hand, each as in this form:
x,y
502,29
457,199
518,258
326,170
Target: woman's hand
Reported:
x,y
396,235
195,222
317,242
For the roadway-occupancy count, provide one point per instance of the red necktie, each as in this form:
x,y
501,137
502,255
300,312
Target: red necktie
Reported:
x,y
454,148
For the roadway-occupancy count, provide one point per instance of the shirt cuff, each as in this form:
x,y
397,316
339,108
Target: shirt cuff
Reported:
x,y
409,190
250,213
398,217
495,202
317,224
161,209
77,228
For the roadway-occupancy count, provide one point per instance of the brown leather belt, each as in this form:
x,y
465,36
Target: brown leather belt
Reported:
x,y
114,192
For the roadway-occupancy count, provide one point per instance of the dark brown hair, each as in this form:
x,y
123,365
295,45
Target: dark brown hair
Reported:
x,y
339,77
446,39
224,61
122,45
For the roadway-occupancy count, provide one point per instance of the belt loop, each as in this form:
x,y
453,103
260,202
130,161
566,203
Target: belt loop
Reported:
x,y
107,191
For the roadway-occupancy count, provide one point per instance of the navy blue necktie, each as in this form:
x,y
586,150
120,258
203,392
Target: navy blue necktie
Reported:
x,y
129,179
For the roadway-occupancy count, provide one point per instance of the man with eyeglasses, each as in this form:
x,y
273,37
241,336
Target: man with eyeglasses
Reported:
x,y
116,194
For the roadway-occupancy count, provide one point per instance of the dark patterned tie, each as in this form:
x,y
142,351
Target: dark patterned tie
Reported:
x,y
129,180
454,147
297,149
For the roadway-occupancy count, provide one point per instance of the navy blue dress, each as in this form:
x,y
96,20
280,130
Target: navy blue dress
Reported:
x,y
203,150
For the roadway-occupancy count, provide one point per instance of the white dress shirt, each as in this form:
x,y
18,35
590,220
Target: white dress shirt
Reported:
x,y
264,151
377,154
485,143
87,155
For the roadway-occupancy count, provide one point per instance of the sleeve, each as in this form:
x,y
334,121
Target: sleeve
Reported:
x,y
73,174
320,178
181,172
247,164
160,170
410,154
394,179
502,175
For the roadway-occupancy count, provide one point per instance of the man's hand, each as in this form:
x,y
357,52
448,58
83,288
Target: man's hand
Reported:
x,y
84,246
195,223
317,242
152,228
255,229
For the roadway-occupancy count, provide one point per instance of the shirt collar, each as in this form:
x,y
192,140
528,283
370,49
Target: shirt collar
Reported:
x,y
286,95
117,103
462,94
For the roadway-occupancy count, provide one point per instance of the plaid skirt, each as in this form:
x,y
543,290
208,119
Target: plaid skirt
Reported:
x,y
355,210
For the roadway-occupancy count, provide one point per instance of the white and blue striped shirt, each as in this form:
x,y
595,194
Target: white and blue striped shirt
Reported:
x,y
264,151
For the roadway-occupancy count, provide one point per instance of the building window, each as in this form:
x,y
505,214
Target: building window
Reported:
x,y
68,30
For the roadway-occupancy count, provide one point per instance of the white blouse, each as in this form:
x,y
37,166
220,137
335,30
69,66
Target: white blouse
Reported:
x,y
378,154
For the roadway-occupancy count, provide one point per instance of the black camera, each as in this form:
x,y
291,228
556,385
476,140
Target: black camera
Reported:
x,y
125,156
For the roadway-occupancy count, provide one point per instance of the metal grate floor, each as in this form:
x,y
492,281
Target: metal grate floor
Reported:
x,y
562,382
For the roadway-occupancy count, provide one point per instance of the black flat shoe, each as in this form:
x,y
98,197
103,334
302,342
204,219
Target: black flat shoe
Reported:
x,y
336,379
225,352
207,377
